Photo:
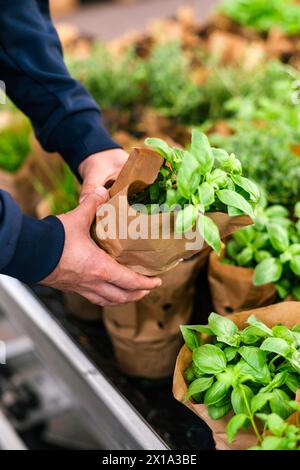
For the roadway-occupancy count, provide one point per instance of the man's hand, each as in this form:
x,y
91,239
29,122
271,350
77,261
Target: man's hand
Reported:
x,y
86,269
100,169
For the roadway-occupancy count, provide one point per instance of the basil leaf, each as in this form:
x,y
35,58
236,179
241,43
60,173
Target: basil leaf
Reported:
x,y
209,359
188,176
279,237
253,356
248,372
189,374
198,386
261,255
277,346
268,270
259,325
247,185
216,393
276,211
190,337
209,232
238,398
231,198
279,403
259,401
245,256
276,382
276,424
295,265
186,219
221,325
202,151
281,331
217,178
230,353
200,328
218,412
292,383
161,147
206,194
235,424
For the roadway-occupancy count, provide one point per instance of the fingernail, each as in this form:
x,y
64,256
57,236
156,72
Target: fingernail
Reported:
x,y
158,283
101,191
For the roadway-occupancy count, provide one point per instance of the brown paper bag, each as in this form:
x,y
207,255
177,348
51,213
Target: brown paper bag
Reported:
x,y
151,256
286,313
145,334
232,288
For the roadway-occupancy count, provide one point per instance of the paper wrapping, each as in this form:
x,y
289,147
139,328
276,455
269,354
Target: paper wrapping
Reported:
x,y
286,313
232,289
145,334
151,256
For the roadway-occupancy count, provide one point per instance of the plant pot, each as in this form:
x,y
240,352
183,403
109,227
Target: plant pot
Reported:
x,y
232,288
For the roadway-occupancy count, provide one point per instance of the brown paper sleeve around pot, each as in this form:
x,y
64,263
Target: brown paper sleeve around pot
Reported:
x,y
232,288
145,334
151,256
286,313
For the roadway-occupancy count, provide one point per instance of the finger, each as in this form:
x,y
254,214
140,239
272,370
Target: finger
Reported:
x,y
125,278
120,296
86,211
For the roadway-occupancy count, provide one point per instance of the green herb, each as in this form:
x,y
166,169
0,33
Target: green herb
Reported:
x,y
197,181
14,145
253,381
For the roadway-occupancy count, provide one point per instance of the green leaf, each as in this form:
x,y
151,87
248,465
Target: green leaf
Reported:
x,y
281,331
268,270
202,151
276,424
231,198
279,237
279,403
190,337
253,356
200,328
297,210
292,382
230,353
198,386
247,185
259,401
259,325
209,359
209,232
188,176
277,382
276,211
216,393
273,443
296,292
244,236
217,178
295,265
277,346
161,147
238,395
221,325
189,374
245,256
218,412
261,255
186,219
206,194
235,424
246,371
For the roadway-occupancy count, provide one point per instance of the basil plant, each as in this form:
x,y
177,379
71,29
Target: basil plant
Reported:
x,y
272,247
196,181
248,372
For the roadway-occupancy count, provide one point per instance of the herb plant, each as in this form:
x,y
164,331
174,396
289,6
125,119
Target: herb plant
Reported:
x,y
264,14
272,247
202,179
250,371
14,146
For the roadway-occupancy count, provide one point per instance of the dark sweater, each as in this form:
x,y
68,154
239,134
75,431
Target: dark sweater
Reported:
x,y
65,119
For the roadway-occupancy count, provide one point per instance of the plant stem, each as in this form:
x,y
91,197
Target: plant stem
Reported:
x,y
251,417
274,359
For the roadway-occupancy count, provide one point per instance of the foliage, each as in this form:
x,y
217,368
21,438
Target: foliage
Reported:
x,y
14,145
250,371
196,181
264,14
114,81
279,435
268,158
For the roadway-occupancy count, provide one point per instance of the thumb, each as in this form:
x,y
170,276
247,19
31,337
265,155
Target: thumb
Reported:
x,y
86,210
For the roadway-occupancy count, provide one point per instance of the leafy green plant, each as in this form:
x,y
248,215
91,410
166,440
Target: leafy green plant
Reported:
x,y
249,371
272,247
14,146
115,81
267,156
279,435
264,14
202,179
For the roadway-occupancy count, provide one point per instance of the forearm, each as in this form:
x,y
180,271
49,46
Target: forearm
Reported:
x,y
65,117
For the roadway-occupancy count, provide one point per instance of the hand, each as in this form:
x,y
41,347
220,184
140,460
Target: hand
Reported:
x,y
86,269
100,169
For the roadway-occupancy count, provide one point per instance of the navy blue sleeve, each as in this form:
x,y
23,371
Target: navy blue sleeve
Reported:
x,y
29,248
65,117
